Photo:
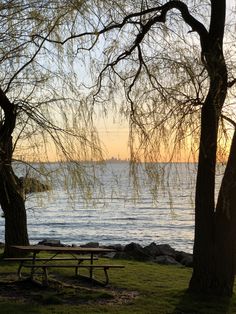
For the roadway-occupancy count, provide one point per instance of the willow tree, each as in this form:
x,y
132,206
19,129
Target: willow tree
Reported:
x,y
42,109
168,57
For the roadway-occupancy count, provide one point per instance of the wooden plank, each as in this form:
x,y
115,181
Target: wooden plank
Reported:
x,y
71,266
26,259
59,249
45,267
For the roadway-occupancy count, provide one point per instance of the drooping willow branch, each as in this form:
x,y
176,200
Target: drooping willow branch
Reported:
x,y
159,15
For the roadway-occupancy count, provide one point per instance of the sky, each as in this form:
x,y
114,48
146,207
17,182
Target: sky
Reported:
x,y
115,142
114,134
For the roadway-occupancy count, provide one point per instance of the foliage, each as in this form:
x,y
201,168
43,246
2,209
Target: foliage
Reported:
x,y
169,58
53,119
152,66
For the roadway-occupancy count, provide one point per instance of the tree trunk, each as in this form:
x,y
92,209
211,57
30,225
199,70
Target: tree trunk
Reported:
x,y
13,206
225,231
11,194
221,272
209,228
220,269
212,243
215,233
204,200
213,246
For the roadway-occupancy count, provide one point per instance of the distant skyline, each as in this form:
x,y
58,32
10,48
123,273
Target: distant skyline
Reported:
x,y
114,135
115,142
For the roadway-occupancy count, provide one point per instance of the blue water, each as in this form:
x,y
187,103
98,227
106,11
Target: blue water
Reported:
x,y
114,211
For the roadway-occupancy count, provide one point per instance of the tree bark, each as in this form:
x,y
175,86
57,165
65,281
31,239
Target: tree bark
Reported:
x,y
204,270
220,275
13,205
11,193
210,276
225,231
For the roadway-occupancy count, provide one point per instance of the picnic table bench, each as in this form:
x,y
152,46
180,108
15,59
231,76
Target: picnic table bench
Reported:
x,y
32,263
44,263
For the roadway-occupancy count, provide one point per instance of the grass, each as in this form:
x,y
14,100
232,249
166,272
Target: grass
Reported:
x,y
140,288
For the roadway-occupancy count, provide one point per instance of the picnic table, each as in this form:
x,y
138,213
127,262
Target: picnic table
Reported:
x,y
78,255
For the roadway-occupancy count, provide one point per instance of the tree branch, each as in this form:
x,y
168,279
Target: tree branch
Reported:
x,y
44,39
188,18
161,18
230,84
229,120
5,103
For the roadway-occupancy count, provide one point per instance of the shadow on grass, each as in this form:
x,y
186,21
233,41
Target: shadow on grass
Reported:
x,y
7,308
191,303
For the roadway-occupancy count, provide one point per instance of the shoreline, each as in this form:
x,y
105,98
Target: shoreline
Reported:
x,y
157,253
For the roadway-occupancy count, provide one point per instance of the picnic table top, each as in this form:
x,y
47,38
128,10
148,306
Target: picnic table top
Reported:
x,y
62,249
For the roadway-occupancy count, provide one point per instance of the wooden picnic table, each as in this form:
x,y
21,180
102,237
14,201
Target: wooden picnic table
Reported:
x,y
75,254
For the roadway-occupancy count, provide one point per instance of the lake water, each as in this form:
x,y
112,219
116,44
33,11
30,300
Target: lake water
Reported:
x,y
115,212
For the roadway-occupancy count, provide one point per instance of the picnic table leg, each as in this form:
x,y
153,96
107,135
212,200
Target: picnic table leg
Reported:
x,y
33,263
77,267
19,269
106,276
45,278
91,268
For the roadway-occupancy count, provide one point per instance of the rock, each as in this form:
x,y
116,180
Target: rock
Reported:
x,y
166,249
135,251
166,260
32,185
117,247
158,250
184,258
91,245
51,242
152,249
161,254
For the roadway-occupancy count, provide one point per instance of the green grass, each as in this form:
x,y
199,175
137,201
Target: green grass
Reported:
x,y
153,289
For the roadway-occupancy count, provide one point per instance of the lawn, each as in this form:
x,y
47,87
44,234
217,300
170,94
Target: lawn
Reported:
x,y
139,288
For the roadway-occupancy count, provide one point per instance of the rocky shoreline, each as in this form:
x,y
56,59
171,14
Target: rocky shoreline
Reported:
x,y
156,253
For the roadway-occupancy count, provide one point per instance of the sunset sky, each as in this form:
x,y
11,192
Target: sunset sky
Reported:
x,y
114,137
114,134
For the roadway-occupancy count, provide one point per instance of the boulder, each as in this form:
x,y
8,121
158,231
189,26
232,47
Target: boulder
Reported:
x,y
166,249
118,251
32,185
152,249
116,247
166,260
159,250
135,251
184,258
51,242
91,245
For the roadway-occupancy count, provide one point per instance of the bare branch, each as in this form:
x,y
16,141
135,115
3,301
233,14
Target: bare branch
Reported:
x,y
5,103
163,10
231,121
231,83
32,58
